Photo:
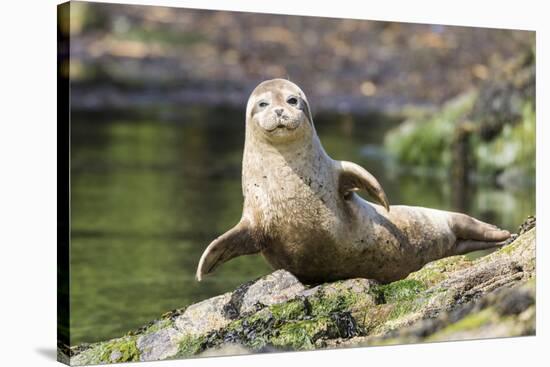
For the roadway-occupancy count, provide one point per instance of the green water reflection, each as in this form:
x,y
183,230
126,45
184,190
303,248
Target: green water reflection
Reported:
x,y
150,192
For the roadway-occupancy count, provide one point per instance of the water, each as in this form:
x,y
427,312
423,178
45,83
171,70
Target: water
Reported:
x,y
151,190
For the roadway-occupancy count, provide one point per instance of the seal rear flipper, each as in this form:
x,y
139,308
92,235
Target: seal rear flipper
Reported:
x,y
235,242
469,228
465,246
354,177
473,234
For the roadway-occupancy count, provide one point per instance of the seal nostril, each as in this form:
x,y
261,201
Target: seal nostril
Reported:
x,y
278,111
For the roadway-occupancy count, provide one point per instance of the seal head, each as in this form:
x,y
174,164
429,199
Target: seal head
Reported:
x,y
278,112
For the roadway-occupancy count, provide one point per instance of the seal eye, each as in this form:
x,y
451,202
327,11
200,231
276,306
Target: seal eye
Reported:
x,y
263,104
293,101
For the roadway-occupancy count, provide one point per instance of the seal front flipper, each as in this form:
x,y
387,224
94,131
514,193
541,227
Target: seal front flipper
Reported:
x,y
235,242
354,177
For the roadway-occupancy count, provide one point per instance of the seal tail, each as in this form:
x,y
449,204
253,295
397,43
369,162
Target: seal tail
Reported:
x,y
474,235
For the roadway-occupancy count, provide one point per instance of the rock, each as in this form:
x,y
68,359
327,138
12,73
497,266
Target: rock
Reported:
x,y
113,351
506,312
158,345
204,316
527,224
228,349
277,287
179,331
451,299
215,313
481,133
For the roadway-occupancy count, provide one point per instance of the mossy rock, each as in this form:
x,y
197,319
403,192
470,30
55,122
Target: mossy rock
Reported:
x,y
113,351
450,299
497,121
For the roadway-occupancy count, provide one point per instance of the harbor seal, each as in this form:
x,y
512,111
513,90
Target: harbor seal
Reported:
x,y
302,213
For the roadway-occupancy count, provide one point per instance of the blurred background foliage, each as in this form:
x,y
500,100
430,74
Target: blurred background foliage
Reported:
x,y
443,116
338,62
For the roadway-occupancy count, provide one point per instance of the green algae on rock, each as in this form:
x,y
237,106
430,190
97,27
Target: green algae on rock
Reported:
x,y
451,299
117,350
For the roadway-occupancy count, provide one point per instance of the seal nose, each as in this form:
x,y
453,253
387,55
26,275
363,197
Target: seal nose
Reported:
x,y
278,111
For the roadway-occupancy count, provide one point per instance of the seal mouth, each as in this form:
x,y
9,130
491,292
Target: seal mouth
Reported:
x,y
282,127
